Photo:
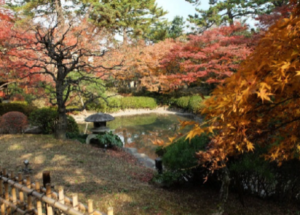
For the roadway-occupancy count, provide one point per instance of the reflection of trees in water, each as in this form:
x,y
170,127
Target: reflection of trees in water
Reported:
x,y
141,137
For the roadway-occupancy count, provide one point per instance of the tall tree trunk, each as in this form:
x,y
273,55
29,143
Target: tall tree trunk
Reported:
x,y
230,16
61,126
59,11
224,191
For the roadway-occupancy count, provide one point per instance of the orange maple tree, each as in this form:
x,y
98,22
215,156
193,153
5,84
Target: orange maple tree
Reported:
x,y
141,61
260,104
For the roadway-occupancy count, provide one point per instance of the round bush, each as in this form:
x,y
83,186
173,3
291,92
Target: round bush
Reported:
x,y
183,102
195,103
13,122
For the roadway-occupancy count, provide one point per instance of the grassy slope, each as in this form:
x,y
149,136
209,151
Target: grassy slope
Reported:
x,y
114,179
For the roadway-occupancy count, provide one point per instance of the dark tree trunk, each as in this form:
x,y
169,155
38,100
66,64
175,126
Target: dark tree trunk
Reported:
x,y
61,126
230,16
224,191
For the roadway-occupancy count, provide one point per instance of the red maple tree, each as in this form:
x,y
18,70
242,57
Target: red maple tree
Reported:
x,y
209,57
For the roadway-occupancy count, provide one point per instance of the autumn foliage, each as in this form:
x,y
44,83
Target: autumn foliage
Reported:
x,y
259,105
170,64
209,57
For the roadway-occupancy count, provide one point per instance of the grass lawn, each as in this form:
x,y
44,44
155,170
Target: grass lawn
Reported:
x,y
114,178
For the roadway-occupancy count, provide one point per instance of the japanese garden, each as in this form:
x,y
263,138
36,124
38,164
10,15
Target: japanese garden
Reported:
x,y
109,107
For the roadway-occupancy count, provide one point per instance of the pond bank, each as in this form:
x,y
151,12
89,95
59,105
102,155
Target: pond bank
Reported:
x,y
144,158
79,118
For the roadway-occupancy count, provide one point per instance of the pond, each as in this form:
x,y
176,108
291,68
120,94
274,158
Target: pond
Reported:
x,y
138,131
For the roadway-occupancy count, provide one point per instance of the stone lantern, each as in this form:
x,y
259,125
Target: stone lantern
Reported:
x,y
99,120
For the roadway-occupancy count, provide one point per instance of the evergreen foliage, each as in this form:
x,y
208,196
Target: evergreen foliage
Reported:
x,y
224,12
47,118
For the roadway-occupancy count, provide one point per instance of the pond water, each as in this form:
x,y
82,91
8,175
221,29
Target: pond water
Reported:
x,y
138,131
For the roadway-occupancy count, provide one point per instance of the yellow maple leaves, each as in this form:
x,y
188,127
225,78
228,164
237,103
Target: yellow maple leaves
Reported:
x,y
264,95
259,105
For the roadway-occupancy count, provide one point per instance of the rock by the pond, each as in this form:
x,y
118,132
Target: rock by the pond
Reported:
x,y
145,160
130,150
33,130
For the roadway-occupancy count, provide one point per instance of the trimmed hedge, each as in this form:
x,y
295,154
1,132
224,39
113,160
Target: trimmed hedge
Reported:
x,y
183,102
138,102
116,103
16,106
190,103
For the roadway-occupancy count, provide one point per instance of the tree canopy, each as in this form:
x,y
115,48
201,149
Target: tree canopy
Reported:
x,y
223,12
259,105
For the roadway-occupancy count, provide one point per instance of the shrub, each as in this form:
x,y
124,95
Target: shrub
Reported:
x,y
183,102
195,103
72,125
13,122
181,154
47,118
44,118
168,179
16,106
115,103
180,161
190,103
109,140
76,136
252,174
138,102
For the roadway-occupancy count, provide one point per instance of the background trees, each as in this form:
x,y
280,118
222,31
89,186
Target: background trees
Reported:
x,y
227,11
210,57
164,29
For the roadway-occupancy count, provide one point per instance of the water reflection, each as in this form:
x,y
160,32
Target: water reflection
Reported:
x,y
139,131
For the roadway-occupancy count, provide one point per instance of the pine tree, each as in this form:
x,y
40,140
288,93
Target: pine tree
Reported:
x,y
130,18
225,12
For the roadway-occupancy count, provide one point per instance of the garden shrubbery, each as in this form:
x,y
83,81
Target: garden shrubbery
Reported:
x,y
46,118
250,173
114,104
109,140
13,122
22,107
254,175
138,102
183,102
190,103
180,161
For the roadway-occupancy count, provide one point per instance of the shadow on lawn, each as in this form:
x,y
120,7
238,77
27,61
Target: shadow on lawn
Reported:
x,y
114,179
